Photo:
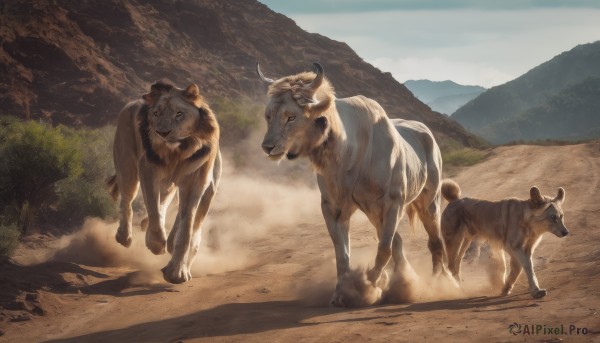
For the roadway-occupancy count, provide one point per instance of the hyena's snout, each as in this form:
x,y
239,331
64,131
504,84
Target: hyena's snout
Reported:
x,y
564,232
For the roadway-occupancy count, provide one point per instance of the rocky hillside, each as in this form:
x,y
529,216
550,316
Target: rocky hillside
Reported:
x,y
78,62
489,113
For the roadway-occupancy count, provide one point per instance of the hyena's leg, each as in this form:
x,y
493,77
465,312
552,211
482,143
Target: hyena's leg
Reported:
x,y
527,264
515,271
128,184
497,268
461,253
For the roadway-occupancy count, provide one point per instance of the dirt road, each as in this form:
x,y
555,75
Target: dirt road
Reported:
x,y
268,278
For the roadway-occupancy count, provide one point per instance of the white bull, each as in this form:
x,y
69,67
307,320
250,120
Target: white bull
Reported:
x,y
363,160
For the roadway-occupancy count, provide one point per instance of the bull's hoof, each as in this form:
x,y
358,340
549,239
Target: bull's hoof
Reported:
x,y
176,274
540,293
337,300
156,242
123,237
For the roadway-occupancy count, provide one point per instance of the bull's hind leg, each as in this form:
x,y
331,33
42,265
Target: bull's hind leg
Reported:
x,y
128,187
388,237
429,213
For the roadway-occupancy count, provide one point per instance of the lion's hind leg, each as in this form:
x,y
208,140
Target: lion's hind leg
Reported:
x,y
198,220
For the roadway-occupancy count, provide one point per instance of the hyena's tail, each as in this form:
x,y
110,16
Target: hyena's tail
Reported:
x,y
450,190
113,187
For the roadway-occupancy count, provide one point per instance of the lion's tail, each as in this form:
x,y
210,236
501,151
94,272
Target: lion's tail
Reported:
x,y
113,187
450,190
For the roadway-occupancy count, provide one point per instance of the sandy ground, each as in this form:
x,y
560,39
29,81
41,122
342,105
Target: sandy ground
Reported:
x,y
267,270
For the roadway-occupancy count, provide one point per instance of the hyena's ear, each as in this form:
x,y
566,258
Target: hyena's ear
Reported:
x,y
560,197
536,197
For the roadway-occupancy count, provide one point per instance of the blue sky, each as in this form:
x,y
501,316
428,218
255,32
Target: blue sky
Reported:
x,y
477,42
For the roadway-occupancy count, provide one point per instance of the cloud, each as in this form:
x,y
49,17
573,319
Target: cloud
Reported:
x,y
486,46
361,6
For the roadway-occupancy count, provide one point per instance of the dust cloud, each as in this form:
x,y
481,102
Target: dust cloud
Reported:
x,y
244,210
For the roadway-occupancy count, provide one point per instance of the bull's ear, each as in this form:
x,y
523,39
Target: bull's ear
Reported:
x,y
560,197
192,94
315,109
536,196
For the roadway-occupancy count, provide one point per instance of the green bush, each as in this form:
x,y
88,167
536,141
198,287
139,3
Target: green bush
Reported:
x,y
53,175
86,195
9,238
463,157
236,118
34,157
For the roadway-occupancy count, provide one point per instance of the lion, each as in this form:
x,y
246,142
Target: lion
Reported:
x,y
167,141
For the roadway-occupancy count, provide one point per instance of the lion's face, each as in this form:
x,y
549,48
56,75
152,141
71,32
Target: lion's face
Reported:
x,y
289,128
172,114
172,119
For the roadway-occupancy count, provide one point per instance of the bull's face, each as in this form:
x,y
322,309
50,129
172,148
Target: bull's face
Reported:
x,y
294,115
549,215
288,128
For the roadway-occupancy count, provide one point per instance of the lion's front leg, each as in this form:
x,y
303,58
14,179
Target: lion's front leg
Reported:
x,y
190,193
156,238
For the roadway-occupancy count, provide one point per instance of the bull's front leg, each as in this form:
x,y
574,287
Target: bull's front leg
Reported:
x,y
190,193
338,227
156,237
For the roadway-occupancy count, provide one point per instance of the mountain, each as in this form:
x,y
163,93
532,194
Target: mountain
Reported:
x,y
443,96
489,113
572,114
79,62
450,103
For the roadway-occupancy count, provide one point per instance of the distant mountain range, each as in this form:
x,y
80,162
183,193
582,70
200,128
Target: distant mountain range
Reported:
x,y
443,96
559,99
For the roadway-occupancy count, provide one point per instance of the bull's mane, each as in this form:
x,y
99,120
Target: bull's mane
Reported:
x,y
296,84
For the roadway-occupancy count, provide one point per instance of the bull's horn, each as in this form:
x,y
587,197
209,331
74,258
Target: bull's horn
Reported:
x,y
262,77
319,78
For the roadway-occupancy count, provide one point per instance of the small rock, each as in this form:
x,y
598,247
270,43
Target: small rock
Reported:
x,y
22,318
32,297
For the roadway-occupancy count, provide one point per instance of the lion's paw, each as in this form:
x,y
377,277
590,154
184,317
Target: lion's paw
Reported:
x,y
176,274
156,241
